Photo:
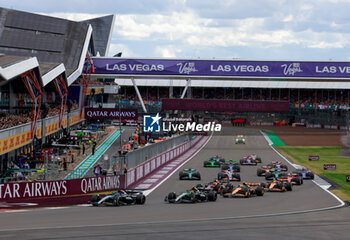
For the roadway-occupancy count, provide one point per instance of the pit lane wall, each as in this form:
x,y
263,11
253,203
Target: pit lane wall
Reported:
x,y
146,168
56,193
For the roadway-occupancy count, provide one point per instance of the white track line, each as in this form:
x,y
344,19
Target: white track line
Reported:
x,y
342,203
169,221
147,192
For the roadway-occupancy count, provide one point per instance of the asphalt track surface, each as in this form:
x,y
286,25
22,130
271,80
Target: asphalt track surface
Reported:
x,y
271,216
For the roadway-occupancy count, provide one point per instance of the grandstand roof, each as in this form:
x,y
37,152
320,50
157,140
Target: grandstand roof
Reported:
x,y
58,45
6,61
12,66
103,29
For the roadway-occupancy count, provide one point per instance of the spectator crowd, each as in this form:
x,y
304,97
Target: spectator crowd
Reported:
x,y
22,116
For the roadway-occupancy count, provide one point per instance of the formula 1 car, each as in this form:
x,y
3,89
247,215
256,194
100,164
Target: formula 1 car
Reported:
x,y
281,166
255,157
242,190
214,161
274,174
271,167
292,178
248,161
228,175
305,173
189,174
218,158
240,139
119,198
216,186
191,196
231,165
275,186
278,186
264,169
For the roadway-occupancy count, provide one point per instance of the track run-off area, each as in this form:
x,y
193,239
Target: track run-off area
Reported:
x,y
307,212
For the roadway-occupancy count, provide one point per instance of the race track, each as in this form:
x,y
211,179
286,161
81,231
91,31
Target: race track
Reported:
x,y
226,216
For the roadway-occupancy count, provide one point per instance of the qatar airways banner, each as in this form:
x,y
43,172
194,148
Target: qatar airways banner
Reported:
x,y
225,105
59,188
223,68
111,113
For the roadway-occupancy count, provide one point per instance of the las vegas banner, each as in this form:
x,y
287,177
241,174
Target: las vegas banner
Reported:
x,y
223,68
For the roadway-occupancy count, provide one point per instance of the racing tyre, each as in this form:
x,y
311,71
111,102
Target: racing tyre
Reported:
x,y
212,196
237,168
206,163
171,197
217,187
199,186
289,186
140,199
197,175
269,176
241,162
236,175
182,175
259,191
259,172
225,167
221,175
224,191
283,174
312,176
298,181
258,159
285,167
282,187
95,199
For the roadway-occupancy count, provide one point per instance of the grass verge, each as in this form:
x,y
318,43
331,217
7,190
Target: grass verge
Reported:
x,y
300,155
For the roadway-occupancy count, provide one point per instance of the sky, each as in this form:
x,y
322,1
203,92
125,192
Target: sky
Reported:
x,y
220,29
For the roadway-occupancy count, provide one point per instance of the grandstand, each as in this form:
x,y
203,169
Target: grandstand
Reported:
x,y
318,106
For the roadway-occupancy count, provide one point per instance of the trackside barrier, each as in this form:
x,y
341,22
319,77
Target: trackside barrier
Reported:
x,y
143,170
136,157
60,192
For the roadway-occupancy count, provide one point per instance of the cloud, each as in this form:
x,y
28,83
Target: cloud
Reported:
x,y
74,16
168,51
115,48
197,28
